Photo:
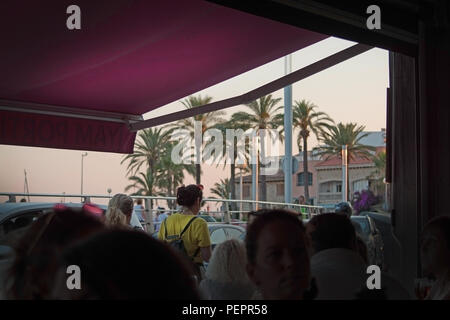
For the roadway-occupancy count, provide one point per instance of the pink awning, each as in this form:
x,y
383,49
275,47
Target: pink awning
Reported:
x,y
129,58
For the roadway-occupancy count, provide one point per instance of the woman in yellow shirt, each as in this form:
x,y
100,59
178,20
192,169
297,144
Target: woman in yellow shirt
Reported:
x,y
196,239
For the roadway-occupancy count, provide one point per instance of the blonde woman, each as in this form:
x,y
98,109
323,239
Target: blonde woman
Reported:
x,y
226,277
120,212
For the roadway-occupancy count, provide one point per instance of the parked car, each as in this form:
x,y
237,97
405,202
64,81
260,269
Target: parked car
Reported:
x,y
207,218
222,232
16,217
365,227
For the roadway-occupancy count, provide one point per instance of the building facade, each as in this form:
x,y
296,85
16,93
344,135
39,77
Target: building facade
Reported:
x,y
324,177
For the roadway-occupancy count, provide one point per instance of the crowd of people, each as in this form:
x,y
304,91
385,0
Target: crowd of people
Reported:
x,y
282,258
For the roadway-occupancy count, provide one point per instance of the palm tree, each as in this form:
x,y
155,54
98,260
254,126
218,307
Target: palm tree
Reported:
x,y
307,120
172,173
380,171
147,149
262,116
237,153
207,121
349,134
221,189
148,184
380,163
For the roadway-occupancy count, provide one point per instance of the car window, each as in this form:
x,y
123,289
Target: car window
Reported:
x,y
363,225
218,236
20,221
234,233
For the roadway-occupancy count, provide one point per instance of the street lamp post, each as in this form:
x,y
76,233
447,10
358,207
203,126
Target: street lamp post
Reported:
x,y
84,154
241,207
344,189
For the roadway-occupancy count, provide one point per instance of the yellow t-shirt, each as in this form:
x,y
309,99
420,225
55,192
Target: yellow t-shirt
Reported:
x,y
197,235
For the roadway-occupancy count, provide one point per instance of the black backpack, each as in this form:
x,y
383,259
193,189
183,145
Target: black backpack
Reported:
x,y
176,241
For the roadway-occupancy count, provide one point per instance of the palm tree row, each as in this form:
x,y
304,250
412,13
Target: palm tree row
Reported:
x,y
153,147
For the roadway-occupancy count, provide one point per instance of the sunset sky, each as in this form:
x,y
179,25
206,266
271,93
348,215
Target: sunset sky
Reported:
x,y
353,91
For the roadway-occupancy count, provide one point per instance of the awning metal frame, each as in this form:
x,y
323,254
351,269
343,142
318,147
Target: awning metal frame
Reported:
x,y
69,112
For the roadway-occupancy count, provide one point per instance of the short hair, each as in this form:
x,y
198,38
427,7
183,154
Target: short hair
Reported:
x,y
332,231
186,196
227,263
138,201
263,218
109,261
441,223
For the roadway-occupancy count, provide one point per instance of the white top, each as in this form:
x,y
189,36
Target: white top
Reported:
x,y
134,222
341,273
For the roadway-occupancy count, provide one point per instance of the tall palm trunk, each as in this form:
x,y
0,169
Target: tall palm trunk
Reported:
x,y
169,189
305,167
233,188
263,176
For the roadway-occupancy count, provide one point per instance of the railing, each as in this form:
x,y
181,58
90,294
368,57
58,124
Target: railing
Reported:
x,y
307,211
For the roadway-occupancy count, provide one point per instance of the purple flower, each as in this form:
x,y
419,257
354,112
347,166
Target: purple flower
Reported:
x,y
365,201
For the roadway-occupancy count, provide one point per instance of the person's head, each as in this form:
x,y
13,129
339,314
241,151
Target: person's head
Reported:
x,y
343,208
119,210
301,200
277,257
106,262
329,231
139,202
435,246
23,200
38,251
190,197
228,262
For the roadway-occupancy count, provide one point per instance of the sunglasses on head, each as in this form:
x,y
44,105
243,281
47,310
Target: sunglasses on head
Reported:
x,y
87,207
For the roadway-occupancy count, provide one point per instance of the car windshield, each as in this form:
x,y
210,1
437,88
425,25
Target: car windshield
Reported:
x,y
207,218
361,223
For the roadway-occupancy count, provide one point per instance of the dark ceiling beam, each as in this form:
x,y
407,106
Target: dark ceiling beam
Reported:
x,y
342,19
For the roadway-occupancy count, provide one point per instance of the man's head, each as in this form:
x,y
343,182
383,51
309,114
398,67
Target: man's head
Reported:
x,y
301,200
277,254
330,230
344,208
435,246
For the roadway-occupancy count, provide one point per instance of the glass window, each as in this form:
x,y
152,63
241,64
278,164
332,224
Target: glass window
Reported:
x,y
339,187
234,233
218,236
300,179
